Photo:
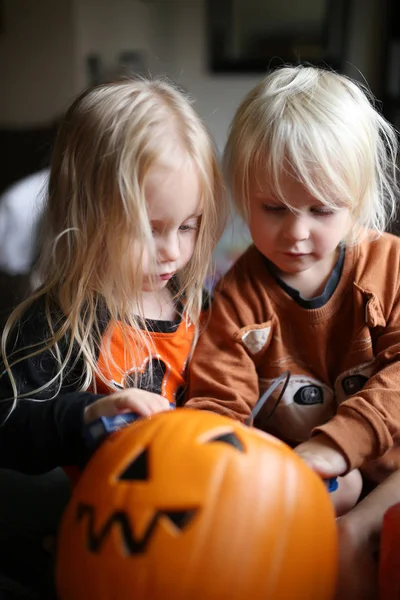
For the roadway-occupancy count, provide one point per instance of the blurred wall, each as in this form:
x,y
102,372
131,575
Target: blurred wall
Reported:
x,y
185,40
45,43
36,60
366,46
185,57
109,27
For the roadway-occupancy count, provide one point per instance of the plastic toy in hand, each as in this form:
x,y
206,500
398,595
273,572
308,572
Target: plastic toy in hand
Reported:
x,y
332,484
98,430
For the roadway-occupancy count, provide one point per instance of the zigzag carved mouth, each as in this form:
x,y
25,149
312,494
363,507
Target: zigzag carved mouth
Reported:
x,y
121,521
138,470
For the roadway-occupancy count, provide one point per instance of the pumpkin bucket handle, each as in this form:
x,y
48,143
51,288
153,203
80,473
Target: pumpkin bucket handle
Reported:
x,y
285,377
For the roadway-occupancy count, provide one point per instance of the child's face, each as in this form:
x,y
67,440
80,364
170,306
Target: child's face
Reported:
x,y
173,203
295,241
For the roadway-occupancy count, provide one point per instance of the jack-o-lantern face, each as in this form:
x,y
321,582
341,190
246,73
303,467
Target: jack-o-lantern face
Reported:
x,y
192,505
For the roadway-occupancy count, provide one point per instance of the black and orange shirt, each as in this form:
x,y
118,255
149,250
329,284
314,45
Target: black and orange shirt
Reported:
x,y
45,428
158,368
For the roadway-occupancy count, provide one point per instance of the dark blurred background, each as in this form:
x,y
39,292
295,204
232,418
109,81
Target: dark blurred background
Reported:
x,y
216,49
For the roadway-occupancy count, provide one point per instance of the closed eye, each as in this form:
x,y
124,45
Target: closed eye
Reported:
x,y
192,225
323,212
273,207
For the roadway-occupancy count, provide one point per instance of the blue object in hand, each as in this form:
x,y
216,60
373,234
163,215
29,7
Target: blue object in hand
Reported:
x,y
332,484
96,431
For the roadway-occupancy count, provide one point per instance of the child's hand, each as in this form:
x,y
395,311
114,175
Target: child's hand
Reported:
x,y
323,456
129,400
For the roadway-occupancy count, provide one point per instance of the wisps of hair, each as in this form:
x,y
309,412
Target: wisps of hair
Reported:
x,y
325,130
96,216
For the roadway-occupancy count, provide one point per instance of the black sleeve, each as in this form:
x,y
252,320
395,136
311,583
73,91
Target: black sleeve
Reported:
x,y
45,428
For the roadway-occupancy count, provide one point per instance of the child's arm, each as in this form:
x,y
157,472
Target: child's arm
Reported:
x,y
222,373
367,516
44,428
39,435
365,425
359,533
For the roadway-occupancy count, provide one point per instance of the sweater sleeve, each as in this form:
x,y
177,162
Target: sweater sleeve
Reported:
x,y
41,428
366,424
222,375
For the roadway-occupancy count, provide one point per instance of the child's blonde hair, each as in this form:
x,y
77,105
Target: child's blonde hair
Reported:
x,y
323,128
96,225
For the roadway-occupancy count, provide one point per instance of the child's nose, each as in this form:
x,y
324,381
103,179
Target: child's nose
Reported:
x,y
296,228
169,250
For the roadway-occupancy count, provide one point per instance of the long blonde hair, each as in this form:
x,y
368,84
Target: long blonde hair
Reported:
x,y
96,216
325,129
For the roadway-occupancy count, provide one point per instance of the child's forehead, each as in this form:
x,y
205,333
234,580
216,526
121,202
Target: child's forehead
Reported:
x,y
173,193
286,182
293,191
295,197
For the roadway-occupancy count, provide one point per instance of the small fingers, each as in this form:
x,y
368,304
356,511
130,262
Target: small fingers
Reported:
x,y
319,464
142,402
159,403
132,400
105,407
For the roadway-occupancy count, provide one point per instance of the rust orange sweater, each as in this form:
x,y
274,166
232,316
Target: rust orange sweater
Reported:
x,y
344,357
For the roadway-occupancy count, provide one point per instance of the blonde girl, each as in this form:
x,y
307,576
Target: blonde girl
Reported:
x,y
135,207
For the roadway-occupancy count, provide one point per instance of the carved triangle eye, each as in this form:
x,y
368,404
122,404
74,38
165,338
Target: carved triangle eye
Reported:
x,y
180,518
229,438
138,469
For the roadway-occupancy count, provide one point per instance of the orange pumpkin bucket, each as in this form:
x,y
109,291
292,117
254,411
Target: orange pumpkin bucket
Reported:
x,y
190,504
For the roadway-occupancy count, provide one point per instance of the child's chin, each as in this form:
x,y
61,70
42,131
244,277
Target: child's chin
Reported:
x,y
155,286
